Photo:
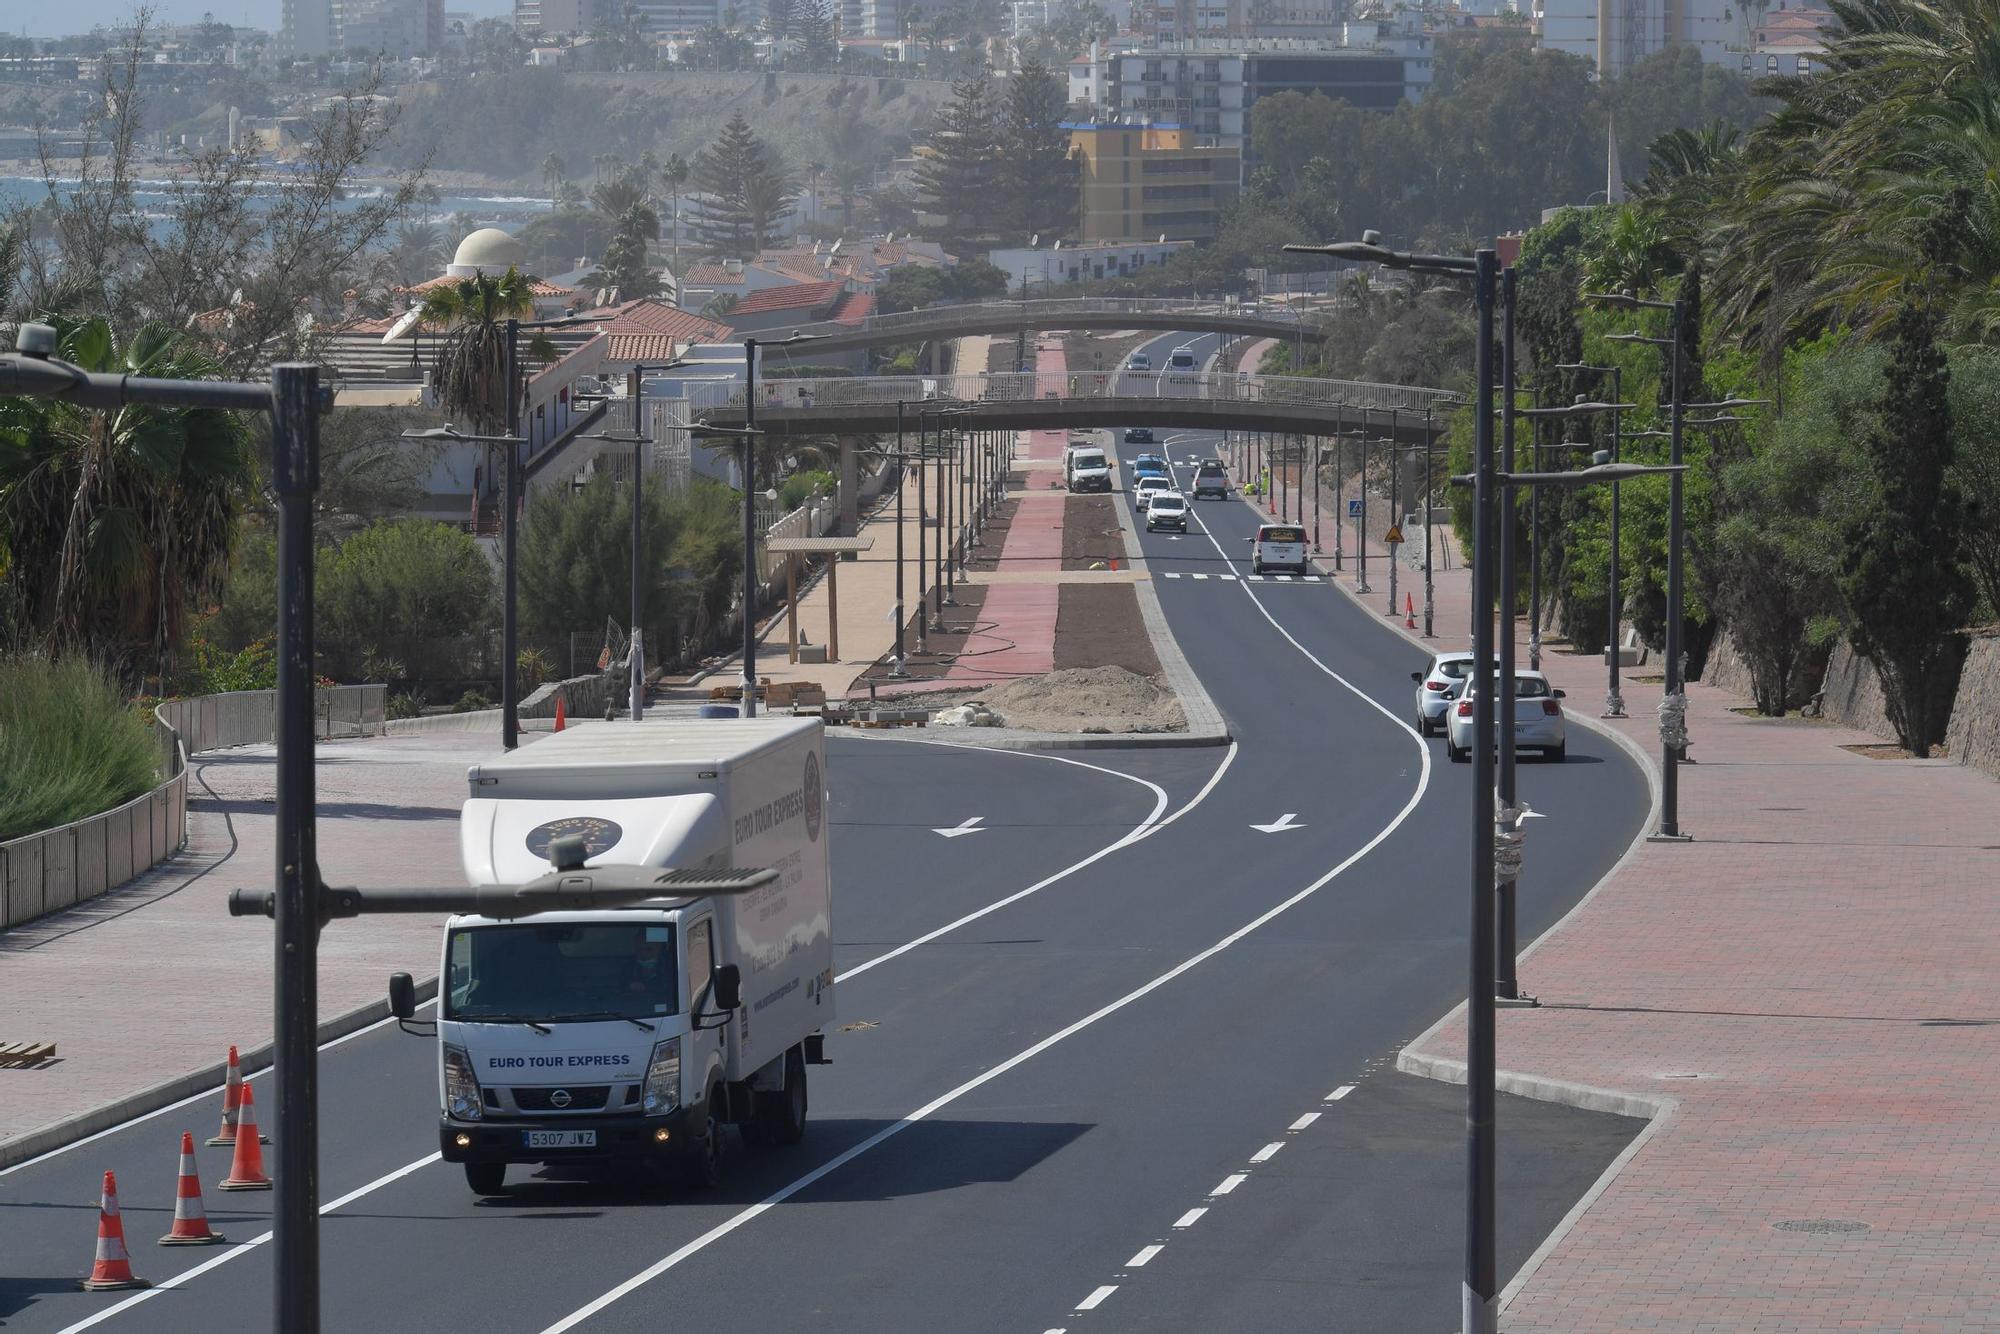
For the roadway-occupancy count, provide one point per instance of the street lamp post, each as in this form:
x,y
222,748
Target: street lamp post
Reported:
x,y
1614,702
1361,516
1430,504
1479,1289
750,434
896,668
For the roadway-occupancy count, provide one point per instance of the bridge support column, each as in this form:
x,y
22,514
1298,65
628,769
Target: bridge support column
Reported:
x,y
850,501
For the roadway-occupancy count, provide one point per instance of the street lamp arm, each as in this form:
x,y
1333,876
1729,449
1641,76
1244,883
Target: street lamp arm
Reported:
x,y
1573,410
1625,301
1638,338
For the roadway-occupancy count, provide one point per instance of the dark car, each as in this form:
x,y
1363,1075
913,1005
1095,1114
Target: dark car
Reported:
x,y
1138,435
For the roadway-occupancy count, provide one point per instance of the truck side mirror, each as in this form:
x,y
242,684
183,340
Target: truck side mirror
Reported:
x,y
728,986
402,996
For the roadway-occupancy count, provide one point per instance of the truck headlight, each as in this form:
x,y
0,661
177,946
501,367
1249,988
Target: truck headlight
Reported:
x,y
663,1078
461,1090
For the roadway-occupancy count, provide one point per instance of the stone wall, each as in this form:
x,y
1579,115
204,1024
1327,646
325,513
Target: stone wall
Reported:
x,y
1728,669
1974,735
1854,693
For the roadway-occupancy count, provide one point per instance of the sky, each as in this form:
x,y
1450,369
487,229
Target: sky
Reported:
x,y
42,20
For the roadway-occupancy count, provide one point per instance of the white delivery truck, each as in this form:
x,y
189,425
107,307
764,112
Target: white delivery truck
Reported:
x,y
636,1036
1085,468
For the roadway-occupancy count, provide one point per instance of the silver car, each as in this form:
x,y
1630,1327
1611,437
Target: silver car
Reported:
x,y
1538,719
1437,686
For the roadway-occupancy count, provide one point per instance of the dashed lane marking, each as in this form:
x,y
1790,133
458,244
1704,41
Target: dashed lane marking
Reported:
x,y
1229,1183
1268,1152
1190,1218
1340,1093
1303,1121
1145,1254
1096,1299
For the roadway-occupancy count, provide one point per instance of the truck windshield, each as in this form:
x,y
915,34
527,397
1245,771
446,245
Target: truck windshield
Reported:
x,y
1090,460
551,972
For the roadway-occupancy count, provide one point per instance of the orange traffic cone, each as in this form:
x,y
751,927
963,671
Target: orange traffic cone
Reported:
x,y
232,1099
562,714
246,1171
190,1219
1114,563
113,1267
1409,612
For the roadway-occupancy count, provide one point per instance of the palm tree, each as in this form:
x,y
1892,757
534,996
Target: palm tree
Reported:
x,y
554,171
417,254
674,173
117,523
471,370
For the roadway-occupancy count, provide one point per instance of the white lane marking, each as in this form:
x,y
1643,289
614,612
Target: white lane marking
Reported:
x,y
1303,1121
932,1107
190,1099
1340,1093
1191,1217
1199,576
1268,1152
1145,1254
1096,1299
1279,825
1172,575
244,1248
1229,1183
969,825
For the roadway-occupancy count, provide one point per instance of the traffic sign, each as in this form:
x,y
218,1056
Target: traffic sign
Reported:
x,y
1354,509
1394,535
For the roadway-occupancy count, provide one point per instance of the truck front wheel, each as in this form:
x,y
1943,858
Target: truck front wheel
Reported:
x,y
781,1116
703,1165
486,1178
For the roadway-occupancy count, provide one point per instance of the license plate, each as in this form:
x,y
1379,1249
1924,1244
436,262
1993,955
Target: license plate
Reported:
x,y
560,1139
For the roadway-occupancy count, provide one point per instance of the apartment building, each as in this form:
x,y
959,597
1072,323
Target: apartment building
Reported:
x,y
1145,182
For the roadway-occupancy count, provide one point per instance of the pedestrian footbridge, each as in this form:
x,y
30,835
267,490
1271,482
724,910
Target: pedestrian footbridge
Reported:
x,y
936,323
1029,400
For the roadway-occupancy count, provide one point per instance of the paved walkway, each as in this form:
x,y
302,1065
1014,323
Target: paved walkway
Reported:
x,y
155,980
1808,988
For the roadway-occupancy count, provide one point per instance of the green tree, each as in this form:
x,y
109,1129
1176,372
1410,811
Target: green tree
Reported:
x,y
626,265
576,560
819,48
674,174
1037,176
745,191
957,172
1975,416
408,589
117,524
1902,580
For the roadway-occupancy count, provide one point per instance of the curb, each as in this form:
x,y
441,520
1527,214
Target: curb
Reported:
x,y
107,1116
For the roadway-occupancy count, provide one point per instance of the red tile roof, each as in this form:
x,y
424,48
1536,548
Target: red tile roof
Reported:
x,y
797,296
651,316
641,347
852,308
711,275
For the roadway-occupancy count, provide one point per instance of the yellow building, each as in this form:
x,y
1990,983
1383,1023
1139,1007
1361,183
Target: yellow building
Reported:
x,y
1144,181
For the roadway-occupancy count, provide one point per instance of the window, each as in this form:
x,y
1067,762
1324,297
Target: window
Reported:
x,y
560,971
701,958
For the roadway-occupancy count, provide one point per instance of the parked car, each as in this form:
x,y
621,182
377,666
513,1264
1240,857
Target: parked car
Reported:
x,y
1138,435
1437,686
1166,509
1279,546
1538,719
1146,488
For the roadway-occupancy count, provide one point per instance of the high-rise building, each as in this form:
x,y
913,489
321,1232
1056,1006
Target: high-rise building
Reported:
x,y
307,28
398,29
1615,35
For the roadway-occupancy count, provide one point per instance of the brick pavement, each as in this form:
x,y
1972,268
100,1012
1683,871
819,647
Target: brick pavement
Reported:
x,y
1809,988
155,980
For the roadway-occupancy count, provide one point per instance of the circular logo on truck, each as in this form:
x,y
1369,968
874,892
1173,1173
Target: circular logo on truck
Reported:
x,y
815,799
559,1099
598,834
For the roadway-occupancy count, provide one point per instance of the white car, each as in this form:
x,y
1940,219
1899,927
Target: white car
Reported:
x,y
1148,487
1279,546
1437,686
1538,719
1166,509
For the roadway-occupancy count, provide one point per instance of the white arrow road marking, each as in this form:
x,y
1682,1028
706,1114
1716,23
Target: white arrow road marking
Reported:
x,y
971,826
1278,826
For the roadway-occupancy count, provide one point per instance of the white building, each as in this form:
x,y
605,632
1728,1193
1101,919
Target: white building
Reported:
x,y
1615,35
1080,262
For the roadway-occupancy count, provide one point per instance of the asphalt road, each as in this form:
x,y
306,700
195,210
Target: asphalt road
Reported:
x,y
1059,1038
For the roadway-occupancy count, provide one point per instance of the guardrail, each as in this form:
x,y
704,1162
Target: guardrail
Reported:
x,y
1023,386
61,867
1057,307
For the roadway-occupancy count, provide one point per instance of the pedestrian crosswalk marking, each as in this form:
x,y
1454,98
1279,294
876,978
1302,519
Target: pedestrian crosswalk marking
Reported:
x,y
1249,578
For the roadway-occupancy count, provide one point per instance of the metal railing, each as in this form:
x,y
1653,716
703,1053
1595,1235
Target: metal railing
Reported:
x,y
1056,309
58,868
1025,386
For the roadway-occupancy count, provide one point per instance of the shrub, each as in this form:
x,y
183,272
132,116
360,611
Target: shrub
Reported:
x,y
795,490
403,705
472,701
213,670
70,746
406,590
531,668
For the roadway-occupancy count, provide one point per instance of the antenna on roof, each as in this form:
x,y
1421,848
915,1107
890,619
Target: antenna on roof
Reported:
x,y
836,248
1034,240
1163,238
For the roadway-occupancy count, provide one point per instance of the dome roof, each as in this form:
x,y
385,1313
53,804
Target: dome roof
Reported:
x,y
489,248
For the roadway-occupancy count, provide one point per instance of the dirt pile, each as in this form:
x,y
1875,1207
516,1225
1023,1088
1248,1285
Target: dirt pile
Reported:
x,y
1086,699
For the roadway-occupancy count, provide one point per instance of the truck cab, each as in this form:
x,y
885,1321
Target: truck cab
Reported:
x,y
637,1036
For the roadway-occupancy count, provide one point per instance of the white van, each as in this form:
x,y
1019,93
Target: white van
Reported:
x,y
1279,546
637,1036
1182,358
1086,469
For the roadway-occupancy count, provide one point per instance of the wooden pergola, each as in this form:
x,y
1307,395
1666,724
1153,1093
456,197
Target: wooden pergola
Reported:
x,y
791,548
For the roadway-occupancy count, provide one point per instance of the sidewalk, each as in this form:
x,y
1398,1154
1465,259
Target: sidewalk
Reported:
x,y
1806,993
151,983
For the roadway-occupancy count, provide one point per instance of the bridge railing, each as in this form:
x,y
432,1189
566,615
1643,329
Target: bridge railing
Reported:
x,y
1024,386
1056,308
